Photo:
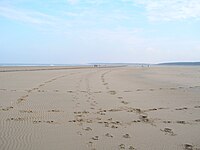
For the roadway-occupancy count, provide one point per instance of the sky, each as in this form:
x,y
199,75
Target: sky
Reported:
x,y
97,31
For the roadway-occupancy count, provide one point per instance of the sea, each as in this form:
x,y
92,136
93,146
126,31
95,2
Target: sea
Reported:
x,y
45,65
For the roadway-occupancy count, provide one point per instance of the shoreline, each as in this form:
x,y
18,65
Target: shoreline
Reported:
x,y
43,68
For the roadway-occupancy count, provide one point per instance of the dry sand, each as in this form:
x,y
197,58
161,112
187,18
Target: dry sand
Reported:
x,y
100,108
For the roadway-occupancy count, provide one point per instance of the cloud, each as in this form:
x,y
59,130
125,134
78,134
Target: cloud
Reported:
x,y
27,16
42,21
72,1
78,16
83,13
170,10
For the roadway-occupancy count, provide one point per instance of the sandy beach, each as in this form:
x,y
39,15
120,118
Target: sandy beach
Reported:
x,y
155,108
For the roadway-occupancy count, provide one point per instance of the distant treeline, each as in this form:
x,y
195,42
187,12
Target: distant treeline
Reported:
x,y
182,63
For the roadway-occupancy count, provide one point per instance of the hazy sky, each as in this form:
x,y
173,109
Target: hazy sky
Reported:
x,y
85,31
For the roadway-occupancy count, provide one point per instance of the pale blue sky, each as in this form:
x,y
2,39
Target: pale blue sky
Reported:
x,y
85,31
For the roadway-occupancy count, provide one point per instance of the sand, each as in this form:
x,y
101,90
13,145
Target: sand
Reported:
x,y
100,108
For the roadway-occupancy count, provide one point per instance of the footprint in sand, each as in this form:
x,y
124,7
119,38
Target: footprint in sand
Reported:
x,y
34,89
135,121
181,122
116,122
122,146
79,120
39,121
41,85
127,91
102,113
89,121
151,109
80,115
162,108
95,138
20,100
7,108
109,135
151,89
134,110
197,120
167,121
112,92
188,147
26,111
72,121
106,124
87,129
110,119
104,110
114,127
90,144
3,89
41,91
124,102
131,148
100,122
50,122
70,91
54,110
35,121
79,133
23,98
168,131
114,110
184,108
126,136
95,102
15,119
144,118
139,90
85,112
196,106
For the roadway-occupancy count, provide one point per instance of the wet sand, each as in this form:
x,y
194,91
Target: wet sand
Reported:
x,y
100,108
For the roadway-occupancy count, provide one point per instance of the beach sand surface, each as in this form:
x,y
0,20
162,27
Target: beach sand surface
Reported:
x,y
143,108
